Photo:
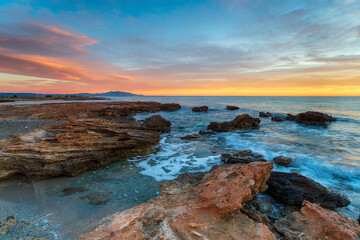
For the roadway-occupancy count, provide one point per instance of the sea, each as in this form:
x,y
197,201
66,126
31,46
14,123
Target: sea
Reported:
x,y
330,155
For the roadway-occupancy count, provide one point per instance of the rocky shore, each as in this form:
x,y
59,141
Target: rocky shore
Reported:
x,y
89,135
234,200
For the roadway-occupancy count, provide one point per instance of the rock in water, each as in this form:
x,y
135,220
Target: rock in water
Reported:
x,y
246,156
202,132
232,108
283,161
294,188
9,222
314,118
314,222
70,191
241,122
170,107
190,137
265,114
156,123
200,109
195,206
277,119
97,198
290,117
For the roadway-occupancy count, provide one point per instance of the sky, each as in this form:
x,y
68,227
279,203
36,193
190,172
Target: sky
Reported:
x,y
181,47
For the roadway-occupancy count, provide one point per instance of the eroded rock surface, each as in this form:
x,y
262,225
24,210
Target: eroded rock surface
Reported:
x,y
317,223
294,188
170,107
241,122
195,206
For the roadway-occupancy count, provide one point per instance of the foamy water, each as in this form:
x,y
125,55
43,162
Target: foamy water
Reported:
x,y
329,155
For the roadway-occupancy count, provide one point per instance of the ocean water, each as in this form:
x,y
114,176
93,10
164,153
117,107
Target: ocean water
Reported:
x,y
329,155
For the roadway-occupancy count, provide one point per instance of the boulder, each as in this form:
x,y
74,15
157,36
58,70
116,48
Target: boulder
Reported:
x,y
277,119
265,114
202,132
195,206
315,222
232,108
283,161
190,137
241,122
200,109
156,123
290,117
170,107
246,156
314,118
294,188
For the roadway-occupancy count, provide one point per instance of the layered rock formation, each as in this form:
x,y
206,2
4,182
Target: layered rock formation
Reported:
x,y
314,222
294,188
196,206
241,122
91,135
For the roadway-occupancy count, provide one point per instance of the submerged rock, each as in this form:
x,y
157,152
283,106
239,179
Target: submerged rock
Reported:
x,y
190,137
294,188
265,114
277,119
202,132
232,108
314,118
241,122
283,161
195,206
170,107
4,226
97,198
200,109
246,156
315,222
70,191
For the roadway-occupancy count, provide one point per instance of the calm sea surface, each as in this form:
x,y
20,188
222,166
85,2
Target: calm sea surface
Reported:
x,y
329,155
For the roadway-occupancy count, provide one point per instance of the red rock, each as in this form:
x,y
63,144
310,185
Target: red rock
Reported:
x,y
315,222
195,206
241,122
92,135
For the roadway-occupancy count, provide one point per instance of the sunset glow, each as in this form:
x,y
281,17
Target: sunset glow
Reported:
x,y
216,47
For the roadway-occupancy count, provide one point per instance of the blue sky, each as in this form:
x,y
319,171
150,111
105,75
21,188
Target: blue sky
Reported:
x,y
216,47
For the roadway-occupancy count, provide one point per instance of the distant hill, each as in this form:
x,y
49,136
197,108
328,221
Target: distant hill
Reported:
x,y
107,94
